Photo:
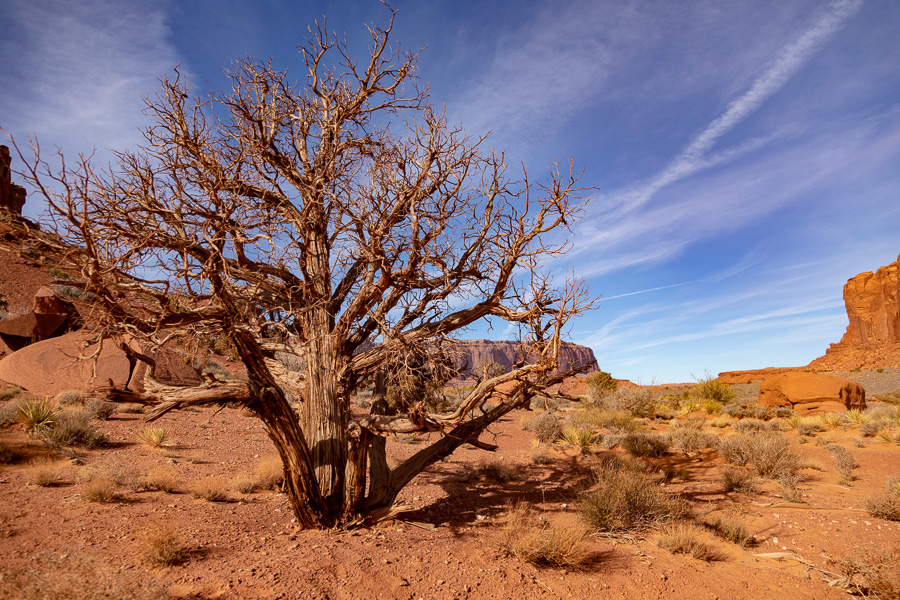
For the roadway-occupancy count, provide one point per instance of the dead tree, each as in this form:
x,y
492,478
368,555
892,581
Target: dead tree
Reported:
x,y
338,218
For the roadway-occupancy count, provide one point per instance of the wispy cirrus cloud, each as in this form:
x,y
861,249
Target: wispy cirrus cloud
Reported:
x,y
75,72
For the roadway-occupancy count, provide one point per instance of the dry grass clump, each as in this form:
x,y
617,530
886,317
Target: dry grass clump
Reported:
x,y
131,408
211,489
843,462
9,392
100,489
689,439
769,453
874,575
9,454
735,479
99,482
158,437
545,426
269,472
681,538
497,472
625,498
731,527
77,577
69,397
645,445
617,421
887,505
162,545
100,409
43,472
71,427
243,485
529,538
160,479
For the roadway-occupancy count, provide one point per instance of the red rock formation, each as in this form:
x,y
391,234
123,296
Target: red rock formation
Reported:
x,y
507,353
12,196
811,393
872,338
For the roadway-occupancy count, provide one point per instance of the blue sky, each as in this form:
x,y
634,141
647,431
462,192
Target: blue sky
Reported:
x,y
746,154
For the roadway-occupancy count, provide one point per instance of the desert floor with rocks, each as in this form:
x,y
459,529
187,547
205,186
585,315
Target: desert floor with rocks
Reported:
x,y
448,545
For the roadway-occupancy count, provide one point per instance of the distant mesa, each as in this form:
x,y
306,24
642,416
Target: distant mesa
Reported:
x,y
506,353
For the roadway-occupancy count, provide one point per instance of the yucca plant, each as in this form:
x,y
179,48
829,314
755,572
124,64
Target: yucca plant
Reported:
x,y
855,416
158,437
35,414
581,437
831,419
792,421
885,434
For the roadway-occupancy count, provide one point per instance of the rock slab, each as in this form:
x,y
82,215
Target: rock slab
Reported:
x,y
809,393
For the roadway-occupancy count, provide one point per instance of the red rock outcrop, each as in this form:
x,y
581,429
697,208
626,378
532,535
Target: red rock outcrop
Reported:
x,y
12,196
810,393
507,353
872,339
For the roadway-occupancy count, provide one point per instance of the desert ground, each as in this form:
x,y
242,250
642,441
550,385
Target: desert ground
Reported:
x,y
797,537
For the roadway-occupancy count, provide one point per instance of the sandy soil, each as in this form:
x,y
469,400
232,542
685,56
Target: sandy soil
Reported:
x,y
248,547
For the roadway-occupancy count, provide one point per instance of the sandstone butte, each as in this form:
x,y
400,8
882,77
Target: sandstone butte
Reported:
x,y
872,339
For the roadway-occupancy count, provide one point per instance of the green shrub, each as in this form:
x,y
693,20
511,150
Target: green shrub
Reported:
x,y
625,498
35,414
599,385
712,389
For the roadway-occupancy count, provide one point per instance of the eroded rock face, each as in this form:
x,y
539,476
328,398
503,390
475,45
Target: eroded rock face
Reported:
x,y
809,393
872,338
507,353
12,196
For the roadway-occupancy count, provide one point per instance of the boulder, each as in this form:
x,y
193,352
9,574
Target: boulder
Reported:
x,y
810,393
51,366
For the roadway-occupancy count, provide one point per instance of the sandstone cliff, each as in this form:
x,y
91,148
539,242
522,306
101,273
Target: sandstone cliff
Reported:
x,y
506,353
872,338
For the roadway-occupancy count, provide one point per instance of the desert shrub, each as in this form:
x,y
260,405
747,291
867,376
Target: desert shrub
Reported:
x,y
545,426
69,397
681,538
100,409
768,452
889,398
131,408
72,427
100,489
497,472
749,426
243,485
844,462
539,458
731,527
160,479
871,428
581,437
158,437
810,426
782,412
43,472
738,480
692,440
211,489
533,540
735,411
886,505
790,486
646,445
874,575
9,392
722,421
599,385
35,414
712,389
635,401
269,472
74,576
625,498
162,545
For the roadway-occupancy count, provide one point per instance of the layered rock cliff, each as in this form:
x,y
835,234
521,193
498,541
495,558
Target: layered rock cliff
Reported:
x,y
872,338
507,353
